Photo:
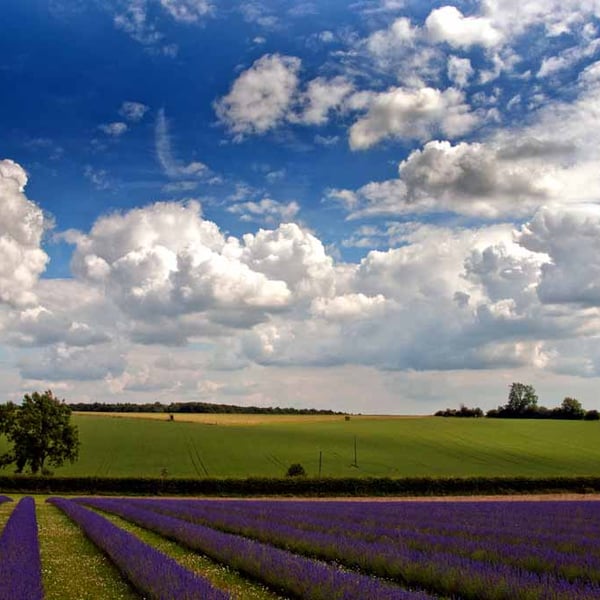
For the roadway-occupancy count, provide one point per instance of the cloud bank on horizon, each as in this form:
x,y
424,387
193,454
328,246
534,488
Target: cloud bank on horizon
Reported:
x,y
381,207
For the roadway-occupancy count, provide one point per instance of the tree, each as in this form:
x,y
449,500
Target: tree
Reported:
x,y
40,431
571,409
521,399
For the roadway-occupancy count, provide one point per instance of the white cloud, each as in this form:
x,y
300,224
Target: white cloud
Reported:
x,y
293,255
164,262
39,326
413,114
187,11
551,159
459,71
67,311
164,152
448,24
133,111
98,177
22,259
266,211
474,179
568,58
348,306
398,311
399,35
62,362
403,52
134,21
115,129
570,236
513,17
322,96
261,96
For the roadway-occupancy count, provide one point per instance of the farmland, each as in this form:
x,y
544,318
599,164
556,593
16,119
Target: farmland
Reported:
x,y
94,547
264,445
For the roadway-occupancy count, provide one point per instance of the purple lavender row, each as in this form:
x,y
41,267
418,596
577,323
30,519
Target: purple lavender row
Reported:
x,y
270,529
439,572
151,572
5,499
470,515
510,530
295,575
20,567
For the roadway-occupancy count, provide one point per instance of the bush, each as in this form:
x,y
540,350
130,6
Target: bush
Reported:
x,y
592,415
297,486
296,470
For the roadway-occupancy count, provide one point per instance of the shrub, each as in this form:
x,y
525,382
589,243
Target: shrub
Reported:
x,y
592,415
296,470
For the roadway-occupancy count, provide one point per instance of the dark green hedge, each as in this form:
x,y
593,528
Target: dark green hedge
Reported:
x,y
300,486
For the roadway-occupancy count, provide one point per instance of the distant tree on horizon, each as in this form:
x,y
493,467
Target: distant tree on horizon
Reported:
x,y
521,398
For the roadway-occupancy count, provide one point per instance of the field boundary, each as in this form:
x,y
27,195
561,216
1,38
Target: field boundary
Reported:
x,y
301,486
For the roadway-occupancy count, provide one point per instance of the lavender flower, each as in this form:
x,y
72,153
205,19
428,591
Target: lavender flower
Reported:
x,y
438,562
153,573
20,567
295,575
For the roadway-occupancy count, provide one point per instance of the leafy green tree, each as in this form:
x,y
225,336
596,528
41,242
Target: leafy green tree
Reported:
x,y
40,431
521,399
571,409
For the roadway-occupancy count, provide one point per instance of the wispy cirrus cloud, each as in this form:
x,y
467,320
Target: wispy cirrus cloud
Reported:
x,y
164,153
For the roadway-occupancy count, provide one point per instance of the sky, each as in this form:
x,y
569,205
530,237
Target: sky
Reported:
x,y
378,206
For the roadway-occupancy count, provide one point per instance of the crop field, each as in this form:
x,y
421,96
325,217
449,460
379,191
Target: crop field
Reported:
x,y
93,547
394,447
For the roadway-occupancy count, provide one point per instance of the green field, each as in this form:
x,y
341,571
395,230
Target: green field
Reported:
x,y
392,447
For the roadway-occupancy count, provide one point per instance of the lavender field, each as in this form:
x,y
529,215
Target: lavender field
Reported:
x,y
496,550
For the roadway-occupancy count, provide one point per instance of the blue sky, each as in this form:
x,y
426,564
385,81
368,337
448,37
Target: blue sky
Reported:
x,y
367,205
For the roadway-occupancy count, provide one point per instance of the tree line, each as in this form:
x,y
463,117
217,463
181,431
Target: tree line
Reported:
x,y
196,408
523,404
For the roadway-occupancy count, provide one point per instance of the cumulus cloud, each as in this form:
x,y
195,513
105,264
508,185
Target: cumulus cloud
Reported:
x,y
67,311
400,34
292,255
552,159
568,58
412,114
321,96
261,96
39,326
474,179
165,262
62,362
448,24
570,236
513,17
22,259
459,71
401,308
